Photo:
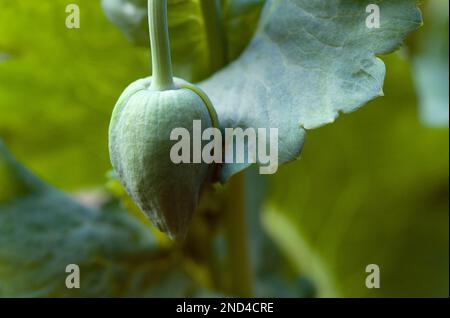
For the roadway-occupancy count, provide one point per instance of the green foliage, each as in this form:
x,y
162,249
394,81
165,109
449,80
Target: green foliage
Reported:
x,y
58,87
69,100
131,18
44,230
241,18
308,61
73,78
373,188
187,29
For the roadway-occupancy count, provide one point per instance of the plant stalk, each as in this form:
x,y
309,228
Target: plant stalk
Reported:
x,y
235,216
215,34
162,77
237,240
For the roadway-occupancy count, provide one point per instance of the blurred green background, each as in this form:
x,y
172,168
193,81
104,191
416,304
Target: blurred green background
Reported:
x,y
370,188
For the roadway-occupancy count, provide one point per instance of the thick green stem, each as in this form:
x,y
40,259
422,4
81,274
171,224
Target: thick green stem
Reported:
x,y
237,240
215,34
235,219
213,264
162,78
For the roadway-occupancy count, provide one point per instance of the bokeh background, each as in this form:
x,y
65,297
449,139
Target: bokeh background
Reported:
x,y
371,188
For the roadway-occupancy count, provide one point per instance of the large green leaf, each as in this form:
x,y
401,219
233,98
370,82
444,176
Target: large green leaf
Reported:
x,y
308,61
372,189
43,230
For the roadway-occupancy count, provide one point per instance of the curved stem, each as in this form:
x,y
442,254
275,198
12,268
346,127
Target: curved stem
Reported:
x,y
237,240
215,34
162,78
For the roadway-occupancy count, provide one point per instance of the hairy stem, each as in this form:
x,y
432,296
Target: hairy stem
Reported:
x,y
215,34
237,240
162,78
